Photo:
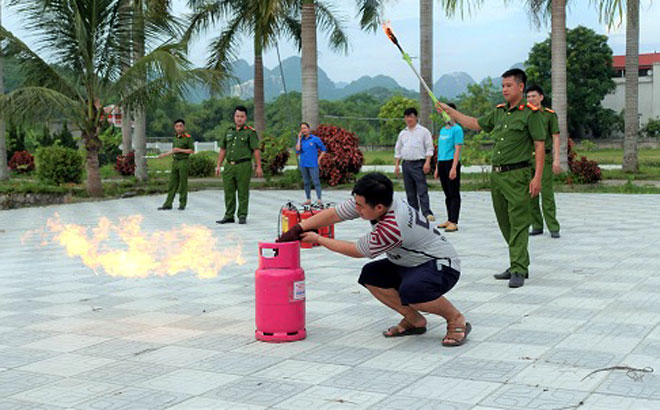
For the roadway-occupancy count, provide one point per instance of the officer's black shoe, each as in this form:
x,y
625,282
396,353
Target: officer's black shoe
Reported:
x,y
535,232
506,275
517,280
164,208
225,220
181,208
242,221
555,234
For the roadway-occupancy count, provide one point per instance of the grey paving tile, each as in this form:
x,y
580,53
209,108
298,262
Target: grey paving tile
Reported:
x,y
257,391
528,398
133,398
236,363
373,380
476,369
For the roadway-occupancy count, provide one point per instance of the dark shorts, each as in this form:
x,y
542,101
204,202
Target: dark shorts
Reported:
x,y
418,284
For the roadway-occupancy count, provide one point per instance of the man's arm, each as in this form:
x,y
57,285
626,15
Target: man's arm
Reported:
x,y
556,143
221,157
539,158
428,151
397,155
257,159
335,245
465,120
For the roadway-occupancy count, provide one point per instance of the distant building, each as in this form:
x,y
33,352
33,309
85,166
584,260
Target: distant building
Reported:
x,y
649,86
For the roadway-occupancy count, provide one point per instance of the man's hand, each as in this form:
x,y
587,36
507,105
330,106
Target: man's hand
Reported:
x,y
319,163
292,235
310,237
452,173
162,156
397,171
260,172
217,171
556,168
441,107
535,186
426,168
435,174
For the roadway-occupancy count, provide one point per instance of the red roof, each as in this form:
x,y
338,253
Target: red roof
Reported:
x,y
645,61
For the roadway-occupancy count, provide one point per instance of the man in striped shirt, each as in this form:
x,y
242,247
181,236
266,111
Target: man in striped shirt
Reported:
x,y
420,267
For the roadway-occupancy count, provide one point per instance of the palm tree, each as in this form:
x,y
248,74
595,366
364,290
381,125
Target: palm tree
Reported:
x,y
265,20
87,43
612,11
540,10
4,172
315,13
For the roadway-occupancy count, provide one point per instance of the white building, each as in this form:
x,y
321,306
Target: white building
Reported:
x,y
649,86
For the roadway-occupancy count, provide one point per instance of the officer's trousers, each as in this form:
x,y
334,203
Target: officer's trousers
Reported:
x,y
510,194
237,178
547,202
178,181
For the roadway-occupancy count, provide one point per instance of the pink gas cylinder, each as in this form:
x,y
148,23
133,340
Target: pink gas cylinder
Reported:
x,y
280,293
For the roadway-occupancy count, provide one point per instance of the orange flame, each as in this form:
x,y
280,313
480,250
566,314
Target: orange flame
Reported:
x,y
160,253
387,28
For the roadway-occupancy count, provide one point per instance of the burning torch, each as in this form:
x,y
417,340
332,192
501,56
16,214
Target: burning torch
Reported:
x,y
390,34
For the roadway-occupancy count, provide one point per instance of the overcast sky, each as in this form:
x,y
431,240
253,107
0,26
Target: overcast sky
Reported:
x,y
487,42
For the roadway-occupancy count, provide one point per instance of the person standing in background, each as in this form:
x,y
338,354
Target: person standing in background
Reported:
x,y
307,149
448,169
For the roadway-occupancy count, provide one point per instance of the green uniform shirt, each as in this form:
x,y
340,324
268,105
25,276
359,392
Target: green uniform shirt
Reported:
x,y
239,143
552,124
514,131
183,142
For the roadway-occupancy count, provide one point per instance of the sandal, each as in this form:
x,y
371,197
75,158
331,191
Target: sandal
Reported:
x,y
457,329
395,332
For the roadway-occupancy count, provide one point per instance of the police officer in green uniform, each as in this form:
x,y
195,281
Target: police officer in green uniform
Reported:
x,y
182,147
238,145
518,130
535,97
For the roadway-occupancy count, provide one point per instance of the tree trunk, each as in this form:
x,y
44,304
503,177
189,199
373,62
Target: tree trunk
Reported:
x,y
310,86
426,61
140,134
259,98
632,87
4,171
126,132
92,146
559,87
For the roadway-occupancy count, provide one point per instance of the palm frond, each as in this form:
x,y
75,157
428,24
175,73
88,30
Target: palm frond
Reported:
x,y
27,103
222,49
370,13
464,7
327,19
609,10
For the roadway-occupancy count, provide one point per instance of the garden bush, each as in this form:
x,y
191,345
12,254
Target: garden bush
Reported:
x,y
58,165
125,164
584,171
275,154
21,162
201,166
343,158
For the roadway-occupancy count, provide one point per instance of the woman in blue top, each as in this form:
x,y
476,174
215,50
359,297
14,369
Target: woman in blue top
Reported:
x,y
307,149
448,169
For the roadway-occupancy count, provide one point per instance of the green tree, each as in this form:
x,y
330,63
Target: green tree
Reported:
x,y
88,39
589,68
4,172
391,114
479,98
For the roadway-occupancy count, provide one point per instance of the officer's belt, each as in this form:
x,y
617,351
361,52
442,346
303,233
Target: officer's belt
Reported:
x,y
239,161
510,167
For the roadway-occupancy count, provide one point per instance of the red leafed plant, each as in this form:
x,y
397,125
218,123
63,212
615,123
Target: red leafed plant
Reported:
x,y
586,171
343,158
125,164
21,162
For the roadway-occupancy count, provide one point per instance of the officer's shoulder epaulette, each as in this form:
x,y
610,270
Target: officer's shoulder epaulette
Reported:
x,y
500,105
247,127
531,107
551,111
186,135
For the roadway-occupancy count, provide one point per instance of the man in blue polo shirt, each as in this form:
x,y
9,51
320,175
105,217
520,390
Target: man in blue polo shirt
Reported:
x,y
307,148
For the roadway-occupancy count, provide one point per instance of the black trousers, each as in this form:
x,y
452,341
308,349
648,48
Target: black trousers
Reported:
x,y
414,180
452,189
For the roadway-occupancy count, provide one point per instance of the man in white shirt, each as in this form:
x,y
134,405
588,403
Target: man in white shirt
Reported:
x,y
421,265
415,147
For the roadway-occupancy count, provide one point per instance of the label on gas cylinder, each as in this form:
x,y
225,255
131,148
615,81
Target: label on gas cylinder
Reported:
x,y
299,290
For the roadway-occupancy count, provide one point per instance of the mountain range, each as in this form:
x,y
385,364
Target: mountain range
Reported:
x,y
242,85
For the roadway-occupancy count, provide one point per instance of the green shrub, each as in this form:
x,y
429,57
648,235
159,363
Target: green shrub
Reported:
x,y
110,141
274,154
57,165
201,166
586,145
651,129
378,161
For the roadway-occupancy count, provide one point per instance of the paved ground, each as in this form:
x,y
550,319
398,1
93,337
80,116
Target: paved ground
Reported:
x,y
72,339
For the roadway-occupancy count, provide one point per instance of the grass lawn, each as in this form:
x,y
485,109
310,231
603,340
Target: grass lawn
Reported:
x,y
646,156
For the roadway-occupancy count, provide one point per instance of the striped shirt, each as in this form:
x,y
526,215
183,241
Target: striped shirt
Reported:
x,y
404,235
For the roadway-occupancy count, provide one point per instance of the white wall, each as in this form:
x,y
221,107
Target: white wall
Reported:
x,y
649,96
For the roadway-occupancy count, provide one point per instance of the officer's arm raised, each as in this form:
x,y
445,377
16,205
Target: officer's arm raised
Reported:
x,y
465,120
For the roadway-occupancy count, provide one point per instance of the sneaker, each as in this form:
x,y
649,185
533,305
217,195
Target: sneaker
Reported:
x,y
225,220
555,234
535,232
430,218
164,208
517,280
